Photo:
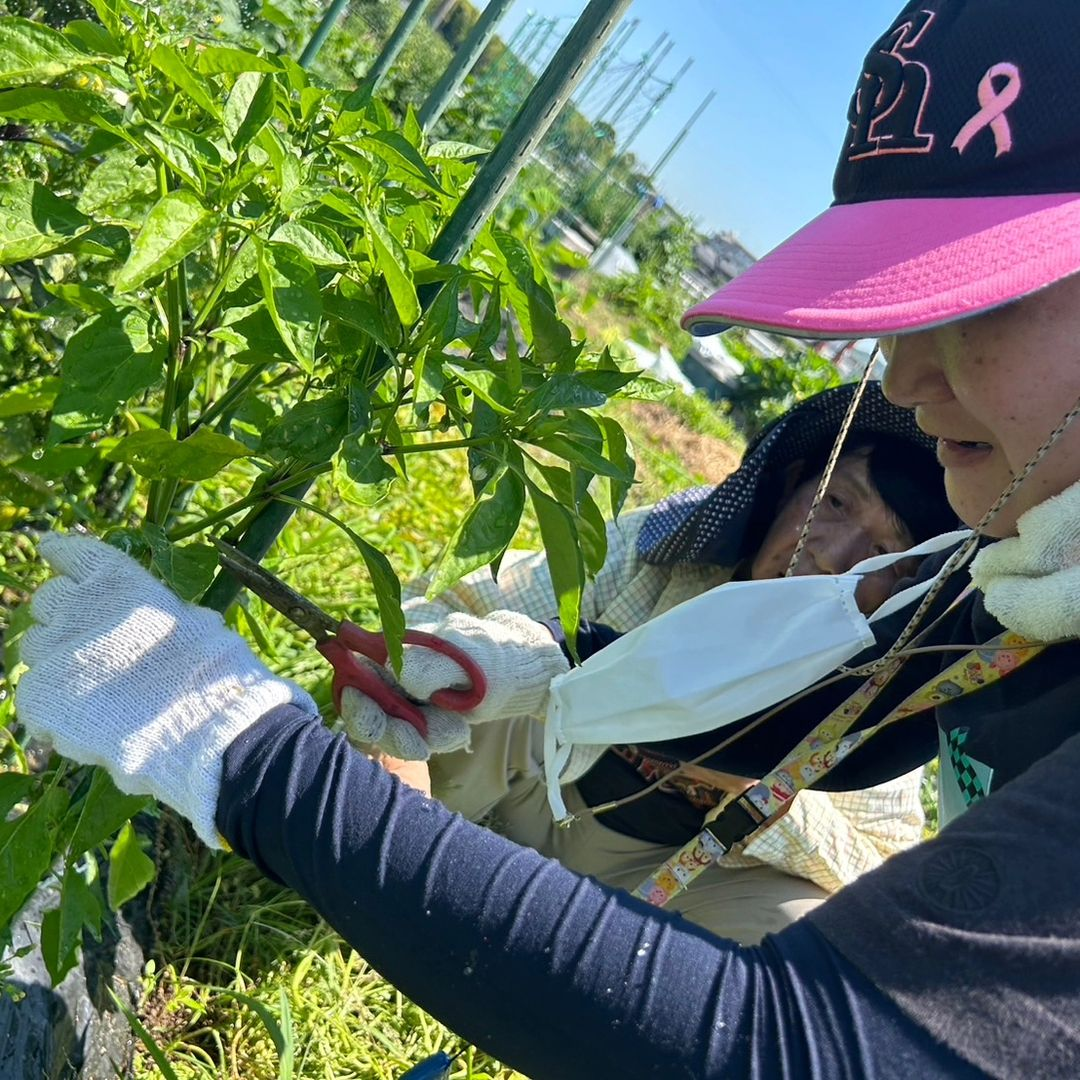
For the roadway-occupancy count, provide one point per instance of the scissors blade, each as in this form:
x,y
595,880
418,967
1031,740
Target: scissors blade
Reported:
x,y
276,593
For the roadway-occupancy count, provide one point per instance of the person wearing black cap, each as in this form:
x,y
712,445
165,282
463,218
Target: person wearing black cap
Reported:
x,y
955,236
886,493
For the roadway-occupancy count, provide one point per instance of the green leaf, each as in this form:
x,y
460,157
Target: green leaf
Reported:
x,y
617,451
563,391
248,108
187,569
387,596
310,431
389,257
552,344
101,812
26,850
33,395
178,225
130,869
187,154
353,110
575,390
357,313
293,297
559,534
34,222
179,69
448,148
488,385
56,463
362,475
50,947
154,453
14,787
119,179
47,105
396,150
79,908
579,452
92,37
319,243
106,363
215,59
19,620
484,533
31,52
250,335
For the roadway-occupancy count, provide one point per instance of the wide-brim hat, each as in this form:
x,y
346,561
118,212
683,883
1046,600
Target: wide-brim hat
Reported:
x,y
957,188
716,525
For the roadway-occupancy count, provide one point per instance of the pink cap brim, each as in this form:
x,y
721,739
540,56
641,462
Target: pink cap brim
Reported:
x,y
885,267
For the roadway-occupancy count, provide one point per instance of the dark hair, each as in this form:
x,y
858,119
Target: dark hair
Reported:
x,y
908,478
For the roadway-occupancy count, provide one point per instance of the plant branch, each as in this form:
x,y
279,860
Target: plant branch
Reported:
x,y
263,494
448,444
232,394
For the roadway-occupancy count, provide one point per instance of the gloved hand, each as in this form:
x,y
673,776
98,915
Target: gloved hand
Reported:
x,y
124,674
517,654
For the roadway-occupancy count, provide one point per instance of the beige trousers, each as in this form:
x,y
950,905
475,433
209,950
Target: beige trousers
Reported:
x,y
499,783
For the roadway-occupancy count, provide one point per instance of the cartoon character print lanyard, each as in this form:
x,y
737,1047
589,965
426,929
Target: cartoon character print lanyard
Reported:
x,y
740,818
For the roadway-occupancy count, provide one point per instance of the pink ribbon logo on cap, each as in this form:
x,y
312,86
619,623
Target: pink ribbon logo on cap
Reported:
x,y
993,105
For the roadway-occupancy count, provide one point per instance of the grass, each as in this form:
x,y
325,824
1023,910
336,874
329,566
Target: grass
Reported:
x,y
224,930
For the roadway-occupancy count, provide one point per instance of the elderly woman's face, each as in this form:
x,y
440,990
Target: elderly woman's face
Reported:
x,y
852,523
991,389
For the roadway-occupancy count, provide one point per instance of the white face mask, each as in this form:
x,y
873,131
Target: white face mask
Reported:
x,y
731,652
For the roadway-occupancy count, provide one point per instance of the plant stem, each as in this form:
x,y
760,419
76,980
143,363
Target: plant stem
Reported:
x,y
182,532
162,493
448,444
219,287
233,392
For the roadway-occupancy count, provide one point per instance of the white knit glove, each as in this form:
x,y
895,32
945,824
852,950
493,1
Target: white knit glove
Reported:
x,y
517,654
124,674
1031,582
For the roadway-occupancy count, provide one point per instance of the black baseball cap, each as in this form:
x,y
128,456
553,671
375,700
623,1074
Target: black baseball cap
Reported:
x,y
957,188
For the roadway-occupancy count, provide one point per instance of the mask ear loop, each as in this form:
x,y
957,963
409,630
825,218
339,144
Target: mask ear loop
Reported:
x,y
830,465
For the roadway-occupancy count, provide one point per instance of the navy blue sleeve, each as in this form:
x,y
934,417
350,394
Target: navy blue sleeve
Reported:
x,y
591,637
554,974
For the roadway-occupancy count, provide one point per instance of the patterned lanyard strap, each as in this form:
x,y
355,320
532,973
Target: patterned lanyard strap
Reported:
x,y
821,751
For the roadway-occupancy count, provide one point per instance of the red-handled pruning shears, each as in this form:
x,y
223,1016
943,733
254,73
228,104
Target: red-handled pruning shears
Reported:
x,y
338,640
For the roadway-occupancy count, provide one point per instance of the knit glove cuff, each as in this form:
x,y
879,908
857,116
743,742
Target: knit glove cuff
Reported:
x,y
125,675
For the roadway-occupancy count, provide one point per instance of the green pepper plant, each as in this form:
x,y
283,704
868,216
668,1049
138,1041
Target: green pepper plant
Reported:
x,y
217,274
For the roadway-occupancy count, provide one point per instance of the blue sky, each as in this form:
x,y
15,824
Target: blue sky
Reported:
x,y
759,162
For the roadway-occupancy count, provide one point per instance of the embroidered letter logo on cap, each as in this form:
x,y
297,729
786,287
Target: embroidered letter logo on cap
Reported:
x,y
887,107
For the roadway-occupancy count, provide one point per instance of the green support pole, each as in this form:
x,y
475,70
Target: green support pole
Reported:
x,y
394,44
539,110
462,63
322,32
537,113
